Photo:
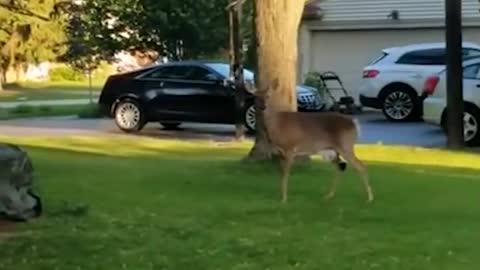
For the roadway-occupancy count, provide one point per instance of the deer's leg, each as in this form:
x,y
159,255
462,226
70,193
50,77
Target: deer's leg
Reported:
x,y
286,161
340,166
350,157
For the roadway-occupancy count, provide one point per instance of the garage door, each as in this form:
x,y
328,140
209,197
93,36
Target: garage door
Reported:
x,y
347,52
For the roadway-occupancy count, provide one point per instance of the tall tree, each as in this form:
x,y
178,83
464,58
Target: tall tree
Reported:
x,y
277,23
29,33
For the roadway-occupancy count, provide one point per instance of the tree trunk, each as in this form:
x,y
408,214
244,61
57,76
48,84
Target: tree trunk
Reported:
x,y
2,77
277,23
19,72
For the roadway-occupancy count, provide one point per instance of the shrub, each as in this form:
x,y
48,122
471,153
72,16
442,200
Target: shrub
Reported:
x,y
90,111
313,80
45,109
22,109
65,73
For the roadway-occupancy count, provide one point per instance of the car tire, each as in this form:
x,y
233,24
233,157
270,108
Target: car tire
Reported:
x,y
471,125
129,116
250,117
399,104
170,126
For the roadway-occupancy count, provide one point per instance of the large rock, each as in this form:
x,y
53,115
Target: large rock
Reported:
x,y
18,200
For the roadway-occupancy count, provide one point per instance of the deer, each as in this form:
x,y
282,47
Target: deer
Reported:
x,y
330,134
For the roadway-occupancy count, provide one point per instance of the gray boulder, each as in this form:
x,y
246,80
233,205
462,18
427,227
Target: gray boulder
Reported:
x,y
18,200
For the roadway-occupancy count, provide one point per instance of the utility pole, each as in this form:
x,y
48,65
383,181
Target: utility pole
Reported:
x,y
236,64
453,21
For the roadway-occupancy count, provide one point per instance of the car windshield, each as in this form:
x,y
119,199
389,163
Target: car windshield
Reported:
x,y
224,70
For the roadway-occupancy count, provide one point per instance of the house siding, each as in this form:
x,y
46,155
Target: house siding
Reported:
x,y
368,10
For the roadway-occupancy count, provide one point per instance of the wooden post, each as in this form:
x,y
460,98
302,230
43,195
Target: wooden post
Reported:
x,y
453,20
236,65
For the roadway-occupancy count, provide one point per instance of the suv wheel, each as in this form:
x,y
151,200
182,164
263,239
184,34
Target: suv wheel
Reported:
x,y
471,125
250,118
129,116
399,105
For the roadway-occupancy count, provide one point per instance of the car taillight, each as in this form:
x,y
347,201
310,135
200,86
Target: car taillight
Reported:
x,y
371,73
430,85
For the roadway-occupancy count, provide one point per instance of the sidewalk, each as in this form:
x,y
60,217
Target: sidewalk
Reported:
x,y
59,102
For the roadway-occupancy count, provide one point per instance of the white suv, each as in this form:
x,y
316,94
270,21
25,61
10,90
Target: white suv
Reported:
x,y
394,81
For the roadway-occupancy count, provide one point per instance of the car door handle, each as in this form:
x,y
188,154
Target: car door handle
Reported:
x,y
161,84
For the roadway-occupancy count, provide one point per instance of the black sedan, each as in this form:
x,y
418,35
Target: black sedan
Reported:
x,y
186,91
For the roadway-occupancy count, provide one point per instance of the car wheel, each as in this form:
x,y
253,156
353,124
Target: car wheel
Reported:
x,y
250,118
129,116
170,125
399,105
471,125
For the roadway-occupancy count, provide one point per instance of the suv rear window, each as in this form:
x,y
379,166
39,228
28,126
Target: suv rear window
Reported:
x,y
378,59
423,57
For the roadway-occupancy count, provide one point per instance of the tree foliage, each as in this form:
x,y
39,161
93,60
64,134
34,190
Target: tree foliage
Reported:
x,y
30,32
188,28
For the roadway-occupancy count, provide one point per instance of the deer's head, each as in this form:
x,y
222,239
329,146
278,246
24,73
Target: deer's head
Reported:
x,y
263,93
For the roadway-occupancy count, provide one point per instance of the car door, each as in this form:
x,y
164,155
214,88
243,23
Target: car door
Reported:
x,y
166,99
210,100
471,81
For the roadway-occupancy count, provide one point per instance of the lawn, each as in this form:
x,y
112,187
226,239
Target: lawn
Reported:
x,y
123,203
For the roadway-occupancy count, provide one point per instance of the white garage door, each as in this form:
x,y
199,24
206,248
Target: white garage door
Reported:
x,y
347,52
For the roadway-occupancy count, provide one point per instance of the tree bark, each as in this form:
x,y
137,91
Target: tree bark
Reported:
x,y
19,72
277,23
3,77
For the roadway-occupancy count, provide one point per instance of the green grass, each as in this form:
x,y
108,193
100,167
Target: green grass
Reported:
x,y
26,111
155,204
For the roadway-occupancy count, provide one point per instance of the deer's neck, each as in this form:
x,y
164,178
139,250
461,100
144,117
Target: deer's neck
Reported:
x,y
270,118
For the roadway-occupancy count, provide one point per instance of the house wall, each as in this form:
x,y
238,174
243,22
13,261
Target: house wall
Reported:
x,y
357,10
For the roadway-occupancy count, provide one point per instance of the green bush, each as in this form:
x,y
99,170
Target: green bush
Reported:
x,y
22,109
65,73
313,80
90,111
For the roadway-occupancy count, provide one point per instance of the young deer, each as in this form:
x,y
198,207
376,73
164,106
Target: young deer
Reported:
x,y
296,133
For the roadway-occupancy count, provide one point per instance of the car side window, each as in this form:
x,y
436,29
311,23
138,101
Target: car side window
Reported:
x,y
171,72
471,72
200,74
160,73
424,57
470,52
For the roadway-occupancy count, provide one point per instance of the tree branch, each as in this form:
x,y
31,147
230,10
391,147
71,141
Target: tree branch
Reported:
x,y
25,12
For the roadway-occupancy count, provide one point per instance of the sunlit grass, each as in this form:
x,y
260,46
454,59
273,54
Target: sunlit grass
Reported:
x,y
138,146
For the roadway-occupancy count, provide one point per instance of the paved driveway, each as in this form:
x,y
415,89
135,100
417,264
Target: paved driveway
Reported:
x,y
375,129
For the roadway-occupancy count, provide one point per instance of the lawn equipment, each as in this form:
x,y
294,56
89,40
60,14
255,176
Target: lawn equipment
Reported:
x,y
340,98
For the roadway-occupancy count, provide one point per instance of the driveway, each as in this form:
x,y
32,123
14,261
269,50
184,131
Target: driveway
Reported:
x,y
375,129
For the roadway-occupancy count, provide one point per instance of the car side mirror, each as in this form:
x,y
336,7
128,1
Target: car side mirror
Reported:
x,y
226,83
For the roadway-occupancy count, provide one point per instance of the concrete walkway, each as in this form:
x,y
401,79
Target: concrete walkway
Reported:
x,y
59,102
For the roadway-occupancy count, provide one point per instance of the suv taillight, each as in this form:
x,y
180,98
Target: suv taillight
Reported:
x,y
430,85
371,73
